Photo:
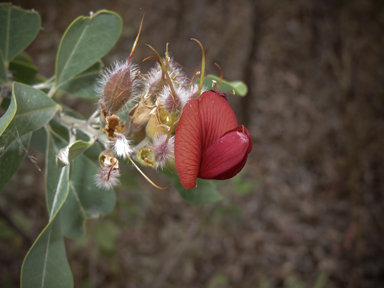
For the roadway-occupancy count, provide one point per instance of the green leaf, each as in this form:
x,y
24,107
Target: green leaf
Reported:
x,y
8,116
205,192
10,158
85,200
18,28
3,71
23,69
240,87
46,264
57,179
70,152
83,85
39,140
86,40
34,110
225,86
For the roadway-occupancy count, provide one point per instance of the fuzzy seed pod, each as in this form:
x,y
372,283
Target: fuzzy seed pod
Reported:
x,y
118,86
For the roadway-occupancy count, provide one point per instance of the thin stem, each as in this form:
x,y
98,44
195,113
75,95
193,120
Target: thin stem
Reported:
x,y
93,116
84,127
145,176
202,73
52,91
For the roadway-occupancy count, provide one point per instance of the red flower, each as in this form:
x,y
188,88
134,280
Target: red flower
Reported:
x,y
209,144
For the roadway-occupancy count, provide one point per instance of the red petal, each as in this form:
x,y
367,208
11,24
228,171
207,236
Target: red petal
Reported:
x,y
236,169
217,117
227,156
188,144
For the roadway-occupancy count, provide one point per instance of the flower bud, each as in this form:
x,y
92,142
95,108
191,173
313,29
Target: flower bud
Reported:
x,y
118,86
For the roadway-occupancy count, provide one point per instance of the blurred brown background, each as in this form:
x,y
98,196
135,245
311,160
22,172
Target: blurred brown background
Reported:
x,y
309,205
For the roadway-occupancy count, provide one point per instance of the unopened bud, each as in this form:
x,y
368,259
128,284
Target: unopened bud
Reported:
x,y
119,85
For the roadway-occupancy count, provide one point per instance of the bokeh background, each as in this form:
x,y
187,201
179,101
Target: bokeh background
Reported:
x,y
308,209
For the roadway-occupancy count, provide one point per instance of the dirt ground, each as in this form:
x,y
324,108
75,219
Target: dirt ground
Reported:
x,y
308,209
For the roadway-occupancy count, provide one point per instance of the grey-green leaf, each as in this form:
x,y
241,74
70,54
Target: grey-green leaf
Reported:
x,y
7,117
46,263
204,193
18,28
3,71
34,110
86,40
11,157
85,200
23,69
57,179
226,86
70,152
83,85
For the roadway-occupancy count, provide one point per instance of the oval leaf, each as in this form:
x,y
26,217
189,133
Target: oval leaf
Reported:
x,y
240,88
203,194
18,28
46,264
11,157
86,40
84,200
34,110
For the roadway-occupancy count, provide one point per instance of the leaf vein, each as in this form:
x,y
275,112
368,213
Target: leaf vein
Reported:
x,y
73,51
45,258
57,192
